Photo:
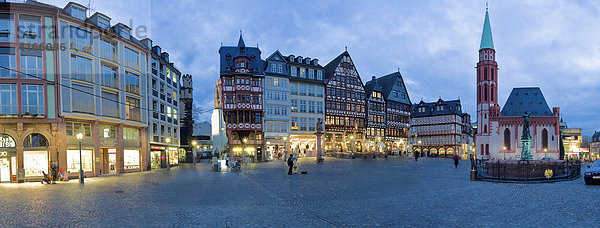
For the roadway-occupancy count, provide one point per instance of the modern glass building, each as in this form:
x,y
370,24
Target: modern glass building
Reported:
x,y
103,95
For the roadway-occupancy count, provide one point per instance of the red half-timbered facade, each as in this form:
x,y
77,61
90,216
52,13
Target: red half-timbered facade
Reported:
x,y
240,92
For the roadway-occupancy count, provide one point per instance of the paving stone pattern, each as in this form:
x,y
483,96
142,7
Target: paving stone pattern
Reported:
x,y
339,193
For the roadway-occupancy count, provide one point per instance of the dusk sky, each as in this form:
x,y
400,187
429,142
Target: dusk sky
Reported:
x,y
550,44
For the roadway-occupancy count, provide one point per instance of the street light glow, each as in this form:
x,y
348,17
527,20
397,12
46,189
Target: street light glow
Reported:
x,y
194,143
79,136
168,140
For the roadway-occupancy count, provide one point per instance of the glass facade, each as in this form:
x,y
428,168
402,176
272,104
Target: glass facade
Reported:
x,y
131,159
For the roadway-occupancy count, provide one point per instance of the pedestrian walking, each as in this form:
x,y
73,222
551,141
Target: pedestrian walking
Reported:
x,y
290,163
416,156
455,161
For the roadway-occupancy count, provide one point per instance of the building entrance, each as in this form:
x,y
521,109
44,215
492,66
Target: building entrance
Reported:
x,y
109,160
4,170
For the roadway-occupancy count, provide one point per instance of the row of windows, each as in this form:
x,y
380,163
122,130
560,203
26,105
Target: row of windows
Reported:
x,y
277,110
163,70
276,82
277,68
162,132
342,106
171,93
375,131
302,73
32,99
164,109
278,96
377,118
104,131
244,117
81,69
344,121
345,93
276,126
301,106
376,106
303,124
306,89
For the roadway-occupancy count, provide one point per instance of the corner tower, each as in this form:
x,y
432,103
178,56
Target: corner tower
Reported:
x,y
487,89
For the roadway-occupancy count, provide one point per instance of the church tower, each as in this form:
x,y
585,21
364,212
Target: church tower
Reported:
x,y
487,90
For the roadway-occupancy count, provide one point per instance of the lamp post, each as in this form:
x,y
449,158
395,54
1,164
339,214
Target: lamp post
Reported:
x,y
167,140
545,151
419,142
504,153
80,137
194,151
378,146
353,144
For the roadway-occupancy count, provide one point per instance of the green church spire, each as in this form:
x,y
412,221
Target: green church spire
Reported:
x,y
486,36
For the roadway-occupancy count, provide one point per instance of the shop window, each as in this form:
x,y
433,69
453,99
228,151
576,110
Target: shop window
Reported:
x,y
6,141
73,160
35,140
131,159
35,162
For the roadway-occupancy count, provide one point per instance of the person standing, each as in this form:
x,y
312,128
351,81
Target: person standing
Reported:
x,y
455,161
416,156
296,165
290,163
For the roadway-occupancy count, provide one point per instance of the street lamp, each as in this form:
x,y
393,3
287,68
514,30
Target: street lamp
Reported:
x,y
545,151
244,149
194,151
80,137
504,153
167,140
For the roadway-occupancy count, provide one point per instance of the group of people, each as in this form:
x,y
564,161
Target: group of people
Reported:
x,y
455,158
293,164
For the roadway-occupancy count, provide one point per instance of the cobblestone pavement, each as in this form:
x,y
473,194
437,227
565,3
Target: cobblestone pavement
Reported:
x,y
381,192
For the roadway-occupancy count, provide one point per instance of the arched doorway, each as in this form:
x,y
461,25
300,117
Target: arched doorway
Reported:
x,y
450,151
434,152
35,155
8,158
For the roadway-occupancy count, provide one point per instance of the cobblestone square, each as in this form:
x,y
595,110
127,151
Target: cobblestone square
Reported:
x,y
338,193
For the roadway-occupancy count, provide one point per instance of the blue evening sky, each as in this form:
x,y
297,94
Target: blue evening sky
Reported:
x,y
550,44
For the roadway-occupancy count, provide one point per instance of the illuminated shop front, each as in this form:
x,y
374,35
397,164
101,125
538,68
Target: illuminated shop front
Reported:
x,y
35,155
131,160
8,159
304,145
73,160
173,156
157,157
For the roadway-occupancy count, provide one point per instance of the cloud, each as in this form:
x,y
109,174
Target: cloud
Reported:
x,y
550,44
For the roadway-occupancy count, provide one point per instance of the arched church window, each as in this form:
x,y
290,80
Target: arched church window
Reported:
x,y
544,139
506,139
35,140
492,74
485,73
485,128
481,149
492,93
487,149
484,116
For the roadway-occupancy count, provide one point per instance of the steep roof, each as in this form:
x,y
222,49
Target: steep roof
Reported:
x,y
524,101
486,35
373,85
331,66
387,82
451,107
228,53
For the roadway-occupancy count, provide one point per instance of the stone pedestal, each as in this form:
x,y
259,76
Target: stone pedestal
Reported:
x,y
319,149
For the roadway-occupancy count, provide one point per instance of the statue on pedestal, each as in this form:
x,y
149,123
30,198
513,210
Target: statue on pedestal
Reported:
x,y
526,139
319,133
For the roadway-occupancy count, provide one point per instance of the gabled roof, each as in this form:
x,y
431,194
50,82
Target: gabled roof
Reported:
x,y
486,35
388,81
373,85
331,66
452,107
523,101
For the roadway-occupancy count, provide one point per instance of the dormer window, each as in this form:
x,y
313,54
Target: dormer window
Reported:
x,y
242,64
78,12
228,57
